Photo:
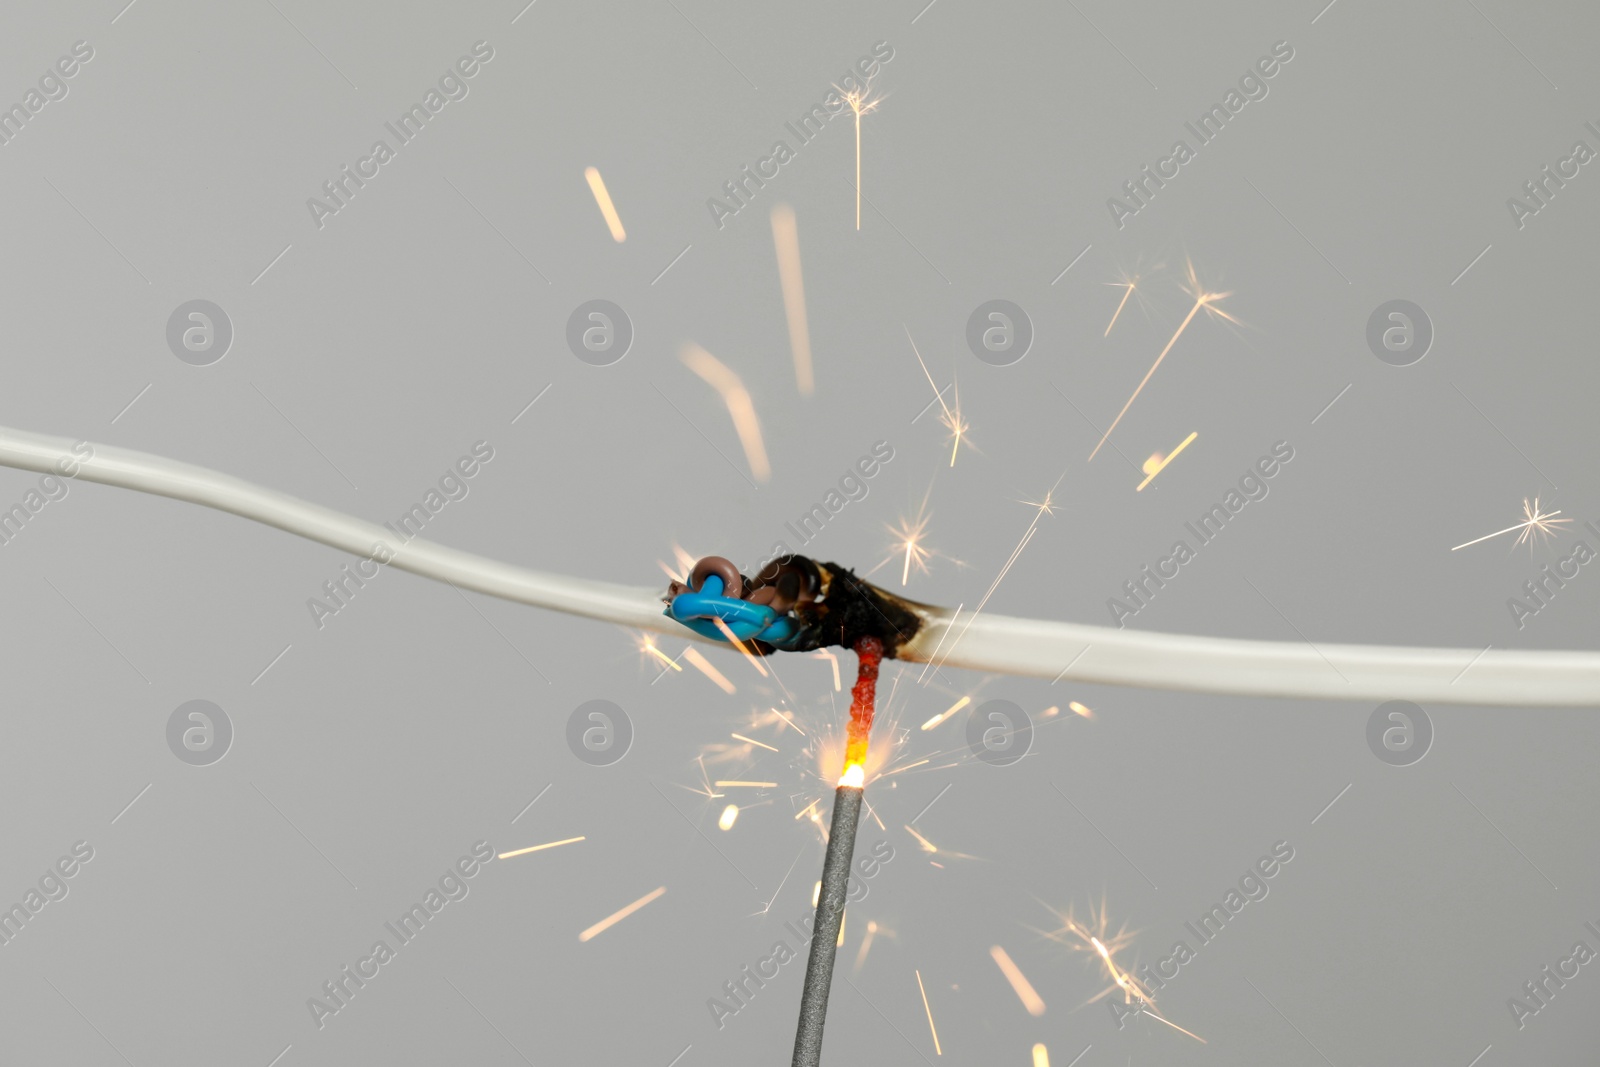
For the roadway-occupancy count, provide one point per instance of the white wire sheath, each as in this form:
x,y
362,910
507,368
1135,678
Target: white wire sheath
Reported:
x,y
1297,669
991,643
621,604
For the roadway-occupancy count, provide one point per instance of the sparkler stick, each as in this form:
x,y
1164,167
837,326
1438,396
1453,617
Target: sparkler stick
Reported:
x,y
836,860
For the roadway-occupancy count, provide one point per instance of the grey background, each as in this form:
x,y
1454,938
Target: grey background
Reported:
x,y
371,754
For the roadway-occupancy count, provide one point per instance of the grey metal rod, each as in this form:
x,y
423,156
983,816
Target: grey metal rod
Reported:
x,y
825,932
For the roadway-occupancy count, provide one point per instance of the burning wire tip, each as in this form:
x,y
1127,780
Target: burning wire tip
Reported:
x,y
794,604
854,777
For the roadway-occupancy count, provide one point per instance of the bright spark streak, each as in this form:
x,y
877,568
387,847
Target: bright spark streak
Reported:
x,y
1042,510
957,426
728,633
943,715
611,920
929,665
650,647
927,846
1041,1056
752,741
786,239
730,815
704,666
538,848
1202,299
723,784
1537,524
1132,990
1019,982
1080,709
597,185
788,720
802,813
937,1051
831,658
736,398
866,944
1156,464
952,419
860,102
908,542
1128,291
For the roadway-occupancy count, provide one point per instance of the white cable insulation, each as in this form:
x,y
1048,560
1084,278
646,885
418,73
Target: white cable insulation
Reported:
x,y
992,643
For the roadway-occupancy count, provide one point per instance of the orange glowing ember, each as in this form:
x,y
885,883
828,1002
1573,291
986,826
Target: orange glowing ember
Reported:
x,y
869,651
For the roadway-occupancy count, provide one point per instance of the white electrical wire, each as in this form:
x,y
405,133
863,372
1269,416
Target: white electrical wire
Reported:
x,y
993,643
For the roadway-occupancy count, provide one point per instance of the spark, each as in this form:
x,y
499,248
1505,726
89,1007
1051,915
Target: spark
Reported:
x,y
752,741
730,815
704,666
937,1051
909,536
1097,938
1128,288
909,544
927,846
860,102
787,720
649,646
834,660
943,715
538,848
705,779
1158,463
733,640
786,239
1537,523
611,920
951,418
1019,982
866,944
803,811
1080,709
597,185
1041,510
1041,1056
736,398
957,426
725,784
1202,300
